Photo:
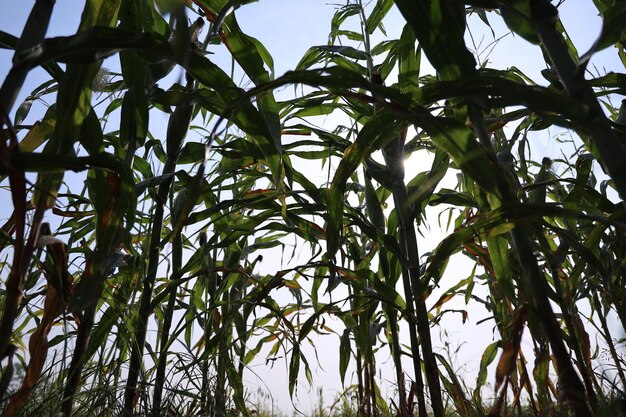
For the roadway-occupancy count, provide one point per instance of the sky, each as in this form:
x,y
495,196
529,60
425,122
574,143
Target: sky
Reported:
x,y
287,28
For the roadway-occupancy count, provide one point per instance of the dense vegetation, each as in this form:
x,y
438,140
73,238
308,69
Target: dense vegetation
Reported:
x,y
161,230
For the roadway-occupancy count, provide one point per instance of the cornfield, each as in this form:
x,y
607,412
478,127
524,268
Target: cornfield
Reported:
x,y
131,249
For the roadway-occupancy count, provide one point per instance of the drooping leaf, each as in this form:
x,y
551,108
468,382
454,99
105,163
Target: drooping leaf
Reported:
x,y
380,129
439,26
486,359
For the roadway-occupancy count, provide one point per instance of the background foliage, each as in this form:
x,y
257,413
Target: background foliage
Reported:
x,y
161,231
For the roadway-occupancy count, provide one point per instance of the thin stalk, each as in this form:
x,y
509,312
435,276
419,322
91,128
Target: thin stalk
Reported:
x,y
366,39
109,379
99,256
177,128
368,356
78,360
417,361
372,389
176,131
413,287
367,390
210,287
362,381
130,393
576,345
377,217
177,254
410,280
416,306
414,290
391,315
360,385
396,353
608,339
232,258
223,349
245,336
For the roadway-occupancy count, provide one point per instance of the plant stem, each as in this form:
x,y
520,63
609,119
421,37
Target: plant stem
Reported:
x,y
177,253
609,340
78,360
176,132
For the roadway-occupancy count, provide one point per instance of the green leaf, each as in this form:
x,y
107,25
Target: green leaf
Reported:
x,y
486,359
380,10
376,133
347,51
439,26
515,213
459,142
40,132
500,255
345,352
32,34
446,196
294,368
454,387
340,17
421,187
99,13
409,58
22,111
517,16
613,30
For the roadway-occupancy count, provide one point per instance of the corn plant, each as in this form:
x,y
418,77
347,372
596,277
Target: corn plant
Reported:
x,y
131,279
